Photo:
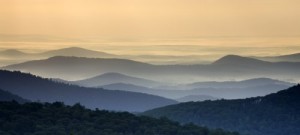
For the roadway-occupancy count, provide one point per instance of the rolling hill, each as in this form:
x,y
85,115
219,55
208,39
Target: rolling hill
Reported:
x,y
13,53
238,84
226,90
75,68
75,51
36,88
70,51
227,68
111,78
14,56
274,114
287,58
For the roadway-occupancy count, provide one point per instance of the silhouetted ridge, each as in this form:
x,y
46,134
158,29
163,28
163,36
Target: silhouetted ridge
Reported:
x,y
274,114
282,58
36,88
84,59
235,59
112,78
7,96
76,51
285,98
230,67
244,83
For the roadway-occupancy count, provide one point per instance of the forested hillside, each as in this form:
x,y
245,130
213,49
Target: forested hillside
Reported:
x,y
274,114
59,119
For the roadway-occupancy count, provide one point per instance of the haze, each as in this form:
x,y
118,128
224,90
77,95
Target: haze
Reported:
x,y
137,27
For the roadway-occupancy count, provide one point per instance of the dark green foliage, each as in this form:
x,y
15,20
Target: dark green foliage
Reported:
x,y
59,119
274,114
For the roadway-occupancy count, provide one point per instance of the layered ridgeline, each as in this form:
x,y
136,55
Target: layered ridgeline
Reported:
x,y
13,56
274,114
227,68
59,119
7,96
289,57
36,88
71,51
226,89
111,78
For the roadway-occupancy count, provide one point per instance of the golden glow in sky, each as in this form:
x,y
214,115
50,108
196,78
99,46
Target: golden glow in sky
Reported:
x,y
218,23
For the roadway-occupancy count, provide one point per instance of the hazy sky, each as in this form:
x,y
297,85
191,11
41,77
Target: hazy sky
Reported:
x,y
92,23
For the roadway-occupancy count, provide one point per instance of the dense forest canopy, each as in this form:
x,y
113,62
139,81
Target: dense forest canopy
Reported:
x,y
59,119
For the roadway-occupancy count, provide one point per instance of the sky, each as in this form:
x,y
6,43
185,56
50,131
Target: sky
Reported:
x,y
121,26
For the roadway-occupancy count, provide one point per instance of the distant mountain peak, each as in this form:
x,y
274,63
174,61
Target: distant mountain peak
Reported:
x,y
77,51
230,59
12,52
117,60
114,75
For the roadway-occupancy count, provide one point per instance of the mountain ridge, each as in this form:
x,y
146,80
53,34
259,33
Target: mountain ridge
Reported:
x,y
77,68
228,59
7,96
295,57
233,114
113,77
76,51
234,90
36,88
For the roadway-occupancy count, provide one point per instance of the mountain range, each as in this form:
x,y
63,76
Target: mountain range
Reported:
x,y
238,84
226,90
282,58
227,68
71,51
111,78
35,88
274,114
13,56
75,68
